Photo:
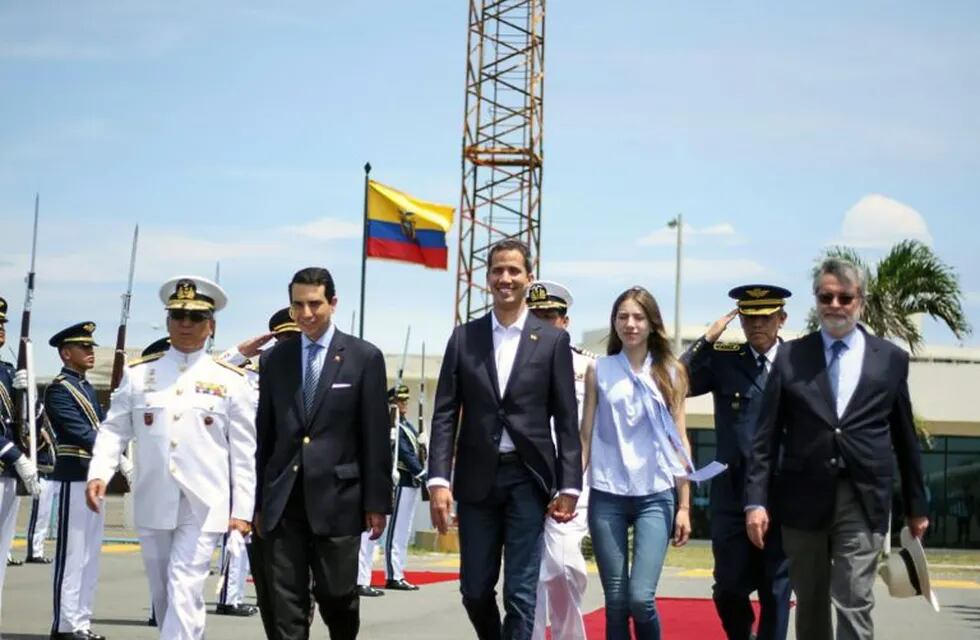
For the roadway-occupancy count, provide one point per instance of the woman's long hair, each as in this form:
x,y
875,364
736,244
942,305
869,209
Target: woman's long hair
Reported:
x,y
667,371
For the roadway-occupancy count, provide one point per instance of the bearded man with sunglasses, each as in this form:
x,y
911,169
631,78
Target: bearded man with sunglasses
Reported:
x,y
193,420
835,408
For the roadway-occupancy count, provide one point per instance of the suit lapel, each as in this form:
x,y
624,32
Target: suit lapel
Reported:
x,y
525,348
485,336
331,366
748,366
293,374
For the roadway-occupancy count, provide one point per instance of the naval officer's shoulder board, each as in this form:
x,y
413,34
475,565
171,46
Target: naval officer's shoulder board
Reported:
x,y
230,366
144,359
728,347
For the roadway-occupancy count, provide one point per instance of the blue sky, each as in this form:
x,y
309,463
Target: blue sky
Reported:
x,y
236,132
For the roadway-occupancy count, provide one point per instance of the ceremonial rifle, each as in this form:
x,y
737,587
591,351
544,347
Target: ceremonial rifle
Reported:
x,y
423,441
21,397
118,485
119,357
395,428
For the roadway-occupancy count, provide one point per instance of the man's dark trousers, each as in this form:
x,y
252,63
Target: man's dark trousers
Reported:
x,y
292,548
741,568
510,517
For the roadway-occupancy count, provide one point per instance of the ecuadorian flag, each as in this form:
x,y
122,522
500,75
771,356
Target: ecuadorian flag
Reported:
x,y
400,227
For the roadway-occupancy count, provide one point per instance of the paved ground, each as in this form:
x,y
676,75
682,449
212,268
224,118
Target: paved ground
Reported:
x,y
430,614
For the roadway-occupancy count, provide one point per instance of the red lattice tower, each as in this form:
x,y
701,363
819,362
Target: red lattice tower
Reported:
x,y
502,141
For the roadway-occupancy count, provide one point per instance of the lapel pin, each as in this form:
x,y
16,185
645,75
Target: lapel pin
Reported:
x,y
533,336
337,358
208,420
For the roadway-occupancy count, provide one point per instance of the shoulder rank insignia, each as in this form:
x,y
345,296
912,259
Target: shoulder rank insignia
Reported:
x,y
229,366
145,359
727,346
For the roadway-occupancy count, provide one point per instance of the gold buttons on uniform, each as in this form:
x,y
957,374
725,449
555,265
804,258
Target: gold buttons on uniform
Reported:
x,y
306,440
173,468
176,416
173,444
180,391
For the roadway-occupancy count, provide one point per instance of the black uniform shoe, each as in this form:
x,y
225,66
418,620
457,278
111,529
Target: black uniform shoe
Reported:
x,y
368,592
37,560
241,610
151,621
401,585
14,563
76,635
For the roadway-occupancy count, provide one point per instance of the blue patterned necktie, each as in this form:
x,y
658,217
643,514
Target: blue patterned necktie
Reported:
x,y
312,377
833,369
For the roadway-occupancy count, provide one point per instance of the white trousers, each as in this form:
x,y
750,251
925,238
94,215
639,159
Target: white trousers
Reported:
x,y
234,571
176,563
399,531
76,559
9,502
562,581
37,525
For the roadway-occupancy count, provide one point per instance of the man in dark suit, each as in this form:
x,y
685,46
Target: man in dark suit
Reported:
x,y
509,374
323,461
837,404
735,374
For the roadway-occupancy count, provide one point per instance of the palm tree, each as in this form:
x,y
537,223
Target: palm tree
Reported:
x,y
908,281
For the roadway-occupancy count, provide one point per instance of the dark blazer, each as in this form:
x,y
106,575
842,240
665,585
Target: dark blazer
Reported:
x,y
541,387
75,416
8,434
342,451
799,414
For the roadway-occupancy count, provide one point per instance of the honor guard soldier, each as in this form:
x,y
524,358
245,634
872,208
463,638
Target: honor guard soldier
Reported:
x,y
411,475
735,374
563,576
73,410
408,493
13,462
192,418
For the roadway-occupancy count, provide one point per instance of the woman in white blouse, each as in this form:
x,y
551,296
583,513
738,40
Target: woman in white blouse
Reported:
x,y
635,449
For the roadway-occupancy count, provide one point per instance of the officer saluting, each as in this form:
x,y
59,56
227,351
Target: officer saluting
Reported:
x,y
735,374
193,421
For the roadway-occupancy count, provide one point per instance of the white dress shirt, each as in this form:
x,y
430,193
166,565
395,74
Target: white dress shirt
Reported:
x,y
505,343
851,362
770,355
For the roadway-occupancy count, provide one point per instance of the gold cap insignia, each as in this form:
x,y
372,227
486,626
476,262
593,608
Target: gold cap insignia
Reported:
x,y
757,293
537,293
88,327
186,290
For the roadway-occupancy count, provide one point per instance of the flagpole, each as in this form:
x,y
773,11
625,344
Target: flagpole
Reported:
x,y
367,173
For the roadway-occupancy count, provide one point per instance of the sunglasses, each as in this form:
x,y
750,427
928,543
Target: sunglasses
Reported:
x,y
179,315
843,299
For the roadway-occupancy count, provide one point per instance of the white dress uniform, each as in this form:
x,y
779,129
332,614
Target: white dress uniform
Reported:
x,y
193,422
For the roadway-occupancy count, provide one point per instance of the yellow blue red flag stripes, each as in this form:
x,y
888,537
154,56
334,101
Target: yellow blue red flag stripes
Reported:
x,y
400,227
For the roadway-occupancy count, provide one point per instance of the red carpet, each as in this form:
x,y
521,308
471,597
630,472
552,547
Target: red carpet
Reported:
x,y
416,577
680,619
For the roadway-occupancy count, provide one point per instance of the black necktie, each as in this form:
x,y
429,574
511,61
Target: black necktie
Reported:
x,y
762,375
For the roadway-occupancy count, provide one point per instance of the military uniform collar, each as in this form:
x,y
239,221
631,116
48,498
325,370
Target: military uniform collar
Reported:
x,y
770,355
71,373
185,359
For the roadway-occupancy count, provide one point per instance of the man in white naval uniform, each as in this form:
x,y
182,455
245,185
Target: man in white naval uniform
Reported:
x,y
563,577
193,422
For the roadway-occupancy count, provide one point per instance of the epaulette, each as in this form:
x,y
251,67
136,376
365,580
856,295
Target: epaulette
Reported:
x,y
585,352
145,359
58,378
229,366
728,346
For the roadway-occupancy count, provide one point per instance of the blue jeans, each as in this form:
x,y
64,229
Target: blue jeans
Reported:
x,y
630,586
509,520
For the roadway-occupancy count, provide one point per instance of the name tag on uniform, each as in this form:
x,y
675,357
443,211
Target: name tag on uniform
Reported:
x,y
211,389
340,385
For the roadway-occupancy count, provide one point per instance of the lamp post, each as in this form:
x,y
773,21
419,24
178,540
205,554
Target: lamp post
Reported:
x,y
679,225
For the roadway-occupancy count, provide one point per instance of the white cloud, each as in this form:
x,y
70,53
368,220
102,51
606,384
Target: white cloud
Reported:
x,y
695,271
879,221
718,233
327,229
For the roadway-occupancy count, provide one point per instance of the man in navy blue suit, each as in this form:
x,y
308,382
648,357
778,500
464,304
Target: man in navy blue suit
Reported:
x,y
504,378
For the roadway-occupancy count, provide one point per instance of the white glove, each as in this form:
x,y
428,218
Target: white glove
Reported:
x,y
28,473
126,468
20,380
